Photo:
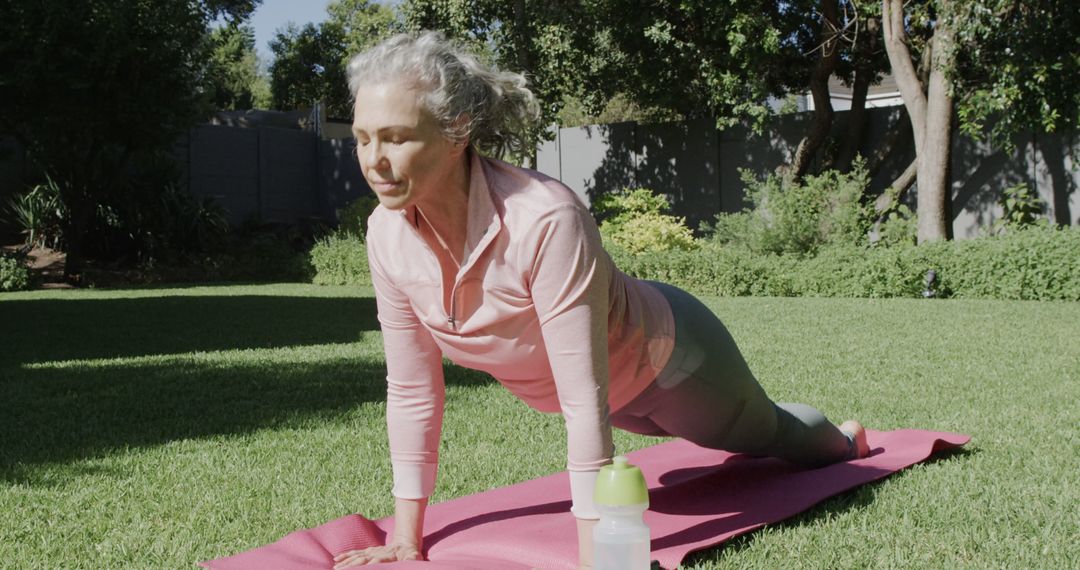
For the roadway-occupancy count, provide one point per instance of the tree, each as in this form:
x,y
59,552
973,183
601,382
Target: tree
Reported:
x,y
87,84
698,58
234,81
310,62
308,68
929,108
362,23
1014,65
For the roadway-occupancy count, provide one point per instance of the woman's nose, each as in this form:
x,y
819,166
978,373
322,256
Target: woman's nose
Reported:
x,y
371,155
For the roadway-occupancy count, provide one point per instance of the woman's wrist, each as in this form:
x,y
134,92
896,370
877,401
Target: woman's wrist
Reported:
x,y
409,522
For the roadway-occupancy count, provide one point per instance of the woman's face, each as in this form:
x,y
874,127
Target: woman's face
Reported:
x,y
403,153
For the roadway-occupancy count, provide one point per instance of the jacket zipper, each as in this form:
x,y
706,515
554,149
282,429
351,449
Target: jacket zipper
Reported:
x,y
450,320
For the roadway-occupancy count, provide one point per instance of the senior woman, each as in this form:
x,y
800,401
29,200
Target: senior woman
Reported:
x,y
501,269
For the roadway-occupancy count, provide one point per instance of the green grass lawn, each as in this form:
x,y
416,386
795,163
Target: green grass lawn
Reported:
x,y
153,428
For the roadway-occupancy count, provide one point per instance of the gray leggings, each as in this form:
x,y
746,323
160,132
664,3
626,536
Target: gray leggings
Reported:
x,y
706,394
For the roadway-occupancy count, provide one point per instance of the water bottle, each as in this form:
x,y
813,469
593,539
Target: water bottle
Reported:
x,y
620,537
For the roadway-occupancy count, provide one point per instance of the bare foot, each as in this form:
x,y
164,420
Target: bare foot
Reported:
x,y
858,434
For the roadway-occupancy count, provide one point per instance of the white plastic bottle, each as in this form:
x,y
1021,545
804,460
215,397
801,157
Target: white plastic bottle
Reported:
x,y
620,537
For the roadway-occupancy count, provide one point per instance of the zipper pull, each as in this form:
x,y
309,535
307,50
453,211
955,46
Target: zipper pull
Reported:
x,y
452,321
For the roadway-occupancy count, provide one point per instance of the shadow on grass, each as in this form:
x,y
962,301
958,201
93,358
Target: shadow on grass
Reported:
x,y
58,415
54,412
64,329
857,498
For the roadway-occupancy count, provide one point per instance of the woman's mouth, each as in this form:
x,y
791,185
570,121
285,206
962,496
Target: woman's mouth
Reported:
x,y
384,187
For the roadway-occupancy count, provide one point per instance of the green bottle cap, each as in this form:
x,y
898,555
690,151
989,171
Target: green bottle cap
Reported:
x,y
620,484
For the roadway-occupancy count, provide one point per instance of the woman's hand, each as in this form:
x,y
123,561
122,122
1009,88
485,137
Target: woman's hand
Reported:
x,y
405,543
392,552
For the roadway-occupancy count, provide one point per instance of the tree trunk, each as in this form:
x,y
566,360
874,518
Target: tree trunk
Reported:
x,y
930,111
933,179
864,74
819,89
80,212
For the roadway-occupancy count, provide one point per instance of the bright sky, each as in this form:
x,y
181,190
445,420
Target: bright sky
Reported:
x,y
274,14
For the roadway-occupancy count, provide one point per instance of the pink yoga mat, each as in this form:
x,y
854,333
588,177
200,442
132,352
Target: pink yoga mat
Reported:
x,y
698,498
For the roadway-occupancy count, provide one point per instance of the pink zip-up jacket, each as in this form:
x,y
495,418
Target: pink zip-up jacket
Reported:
x,y
537,303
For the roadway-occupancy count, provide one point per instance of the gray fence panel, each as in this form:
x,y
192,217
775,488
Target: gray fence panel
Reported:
x,y
979,175
224,166
342,180
288,175
1057,175
682,160
280,175
699,167
603,158
547,156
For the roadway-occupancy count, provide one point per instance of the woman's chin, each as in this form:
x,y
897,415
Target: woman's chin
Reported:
x,y
393,201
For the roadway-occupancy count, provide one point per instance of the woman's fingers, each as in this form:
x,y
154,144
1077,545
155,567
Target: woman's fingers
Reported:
x,y
358,557
390,553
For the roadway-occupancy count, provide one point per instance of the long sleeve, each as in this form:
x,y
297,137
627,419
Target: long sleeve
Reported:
x,y
415,390
570,280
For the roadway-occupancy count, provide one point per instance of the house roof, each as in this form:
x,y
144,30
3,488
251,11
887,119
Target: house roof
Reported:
x,y
885,88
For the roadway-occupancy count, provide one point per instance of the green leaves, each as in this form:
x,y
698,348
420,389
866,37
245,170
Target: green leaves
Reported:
x,y
1017,67
636,221
232,75
310,62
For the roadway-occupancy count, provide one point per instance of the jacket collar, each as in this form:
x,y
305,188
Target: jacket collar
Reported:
x,y
483,222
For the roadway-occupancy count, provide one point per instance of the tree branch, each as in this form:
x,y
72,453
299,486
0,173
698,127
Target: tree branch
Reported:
x,y
819,89
896,46
897,189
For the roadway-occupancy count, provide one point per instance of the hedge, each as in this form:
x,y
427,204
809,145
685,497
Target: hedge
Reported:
x,y
1038,263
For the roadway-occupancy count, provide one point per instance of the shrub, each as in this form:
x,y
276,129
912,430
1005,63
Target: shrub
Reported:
x,y
637,221
1040,262
352,219
854,271
789,217
1034,263
1021,208
714,270
14,275
340,259
154,220
253,254
40,213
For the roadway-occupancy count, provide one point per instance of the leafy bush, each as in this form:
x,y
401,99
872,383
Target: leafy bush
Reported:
x,y
252,254
340,259
1034,263
714,270
151,219
40,213
1021,208
14,276
1039,262
789,217
352,219
637,221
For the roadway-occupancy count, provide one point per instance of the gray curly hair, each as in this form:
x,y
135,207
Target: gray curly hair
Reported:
x,y
490,109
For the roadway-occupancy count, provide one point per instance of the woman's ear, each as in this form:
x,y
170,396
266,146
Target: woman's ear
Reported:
x,y
458,125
